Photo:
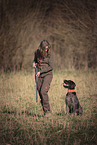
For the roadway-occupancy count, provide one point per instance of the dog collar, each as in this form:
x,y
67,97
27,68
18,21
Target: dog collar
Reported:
x,y
70,91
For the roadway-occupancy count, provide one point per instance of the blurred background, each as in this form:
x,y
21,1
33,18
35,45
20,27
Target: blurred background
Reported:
x,y
69,25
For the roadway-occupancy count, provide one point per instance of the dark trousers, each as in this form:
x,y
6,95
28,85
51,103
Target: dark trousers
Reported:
x,y
43,88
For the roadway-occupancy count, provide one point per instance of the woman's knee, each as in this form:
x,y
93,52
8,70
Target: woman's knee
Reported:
x,y
44,91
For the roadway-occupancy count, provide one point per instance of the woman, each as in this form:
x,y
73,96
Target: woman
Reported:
x,y
43,60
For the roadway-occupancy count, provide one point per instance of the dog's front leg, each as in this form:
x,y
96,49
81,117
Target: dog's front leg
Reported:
x,y
67,109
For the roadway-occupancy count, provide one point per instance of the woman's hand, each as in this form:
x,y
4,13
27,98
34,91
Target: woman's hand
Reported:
x,y
34,64
38,74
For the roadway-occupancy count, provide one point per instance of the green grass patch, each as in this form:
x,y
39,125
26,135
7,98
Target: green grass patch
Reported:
x,y
22,120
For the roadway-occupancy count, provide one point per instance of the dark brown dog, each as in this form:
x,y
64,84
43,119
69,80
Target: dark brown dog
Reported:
x,y
72,103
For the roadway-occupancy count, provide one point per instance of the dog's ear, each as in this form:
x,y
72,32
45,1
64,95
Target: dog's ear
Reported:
x,y
71,84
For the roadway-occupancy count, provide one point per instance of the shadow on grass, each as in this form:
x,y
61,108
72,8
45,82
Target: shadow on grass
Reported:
x,y
15,112
61,114
33,114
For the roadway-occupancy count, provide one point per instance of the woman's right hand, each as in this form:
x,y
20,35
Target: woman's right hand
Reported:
x,y
34,64
38,74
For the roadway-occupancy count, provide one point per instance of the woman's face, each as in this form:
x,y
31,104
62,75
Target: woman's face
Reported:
x,y
43,52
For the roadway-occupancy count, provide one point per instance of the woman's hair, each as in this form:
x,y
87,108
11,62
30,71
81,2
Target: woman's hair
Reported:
x,y
45,48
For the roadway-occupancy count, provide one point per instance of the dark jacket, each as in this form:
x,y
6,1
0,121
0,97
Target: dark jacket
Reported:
x,y
44,64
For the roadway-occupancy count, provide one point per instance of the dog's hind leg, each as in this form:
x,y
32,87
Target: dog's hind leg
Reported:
x,y
80,110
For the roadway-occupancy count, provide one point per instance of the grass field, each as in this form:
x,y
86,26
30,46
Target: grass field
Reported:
x,y
21,118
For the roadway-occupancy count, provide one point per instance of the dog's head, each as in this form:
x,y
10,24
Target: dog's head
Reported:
x,y
69,84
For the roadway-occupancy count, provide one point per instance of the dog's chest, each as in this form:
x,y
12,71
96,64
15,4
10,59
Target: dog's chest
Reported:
x,y
70,98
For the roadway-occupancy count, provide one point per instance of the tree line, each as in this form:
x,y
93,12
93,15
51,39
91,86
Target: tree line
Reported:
x,y
69,26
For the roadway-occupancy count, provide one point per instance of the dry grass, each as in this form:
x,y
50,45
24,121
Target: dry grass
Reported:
x,y
22,120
